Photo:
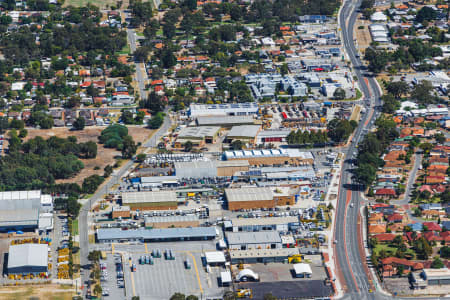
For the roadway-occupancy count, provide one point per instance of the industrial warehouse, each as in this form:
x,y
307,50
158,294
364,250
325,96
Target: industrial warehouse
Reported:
x,y
154,200
28,259
117,235
25,210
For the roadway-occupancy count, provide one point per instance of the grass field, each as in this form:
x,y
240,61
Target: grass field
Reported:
x,y
75,227
101,4
125,50
50,292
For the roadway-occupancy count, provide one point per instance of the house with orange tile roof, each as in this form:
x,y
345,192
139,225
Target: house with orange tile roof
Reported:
x,y
394,155
376,218
390,265
434,179
432,214
378,228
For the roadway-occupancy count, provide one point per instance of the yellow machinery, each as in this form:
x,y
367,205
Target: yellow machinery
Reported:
x,y
244,293
295,259
241,266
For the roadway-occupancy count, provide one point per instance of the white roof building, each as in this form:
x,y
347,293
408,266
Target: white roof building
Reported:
x,y
378,17
215,257
302,269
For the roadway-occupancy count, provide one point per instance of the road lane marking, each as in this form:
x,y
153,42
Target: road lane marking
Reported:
x,y
146,249
132,281
196,271
112,248
348,199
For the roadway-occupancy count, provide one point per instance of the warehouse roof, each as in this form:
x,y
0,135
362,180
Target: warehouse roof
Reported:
x,y
232,163
249,194
264,221
169,219
27,255
196,164
258,237
255,253
20,200
20,217
224,120
244,131
198,132
302,268
147,197
274,133
164,233
214,257
268,153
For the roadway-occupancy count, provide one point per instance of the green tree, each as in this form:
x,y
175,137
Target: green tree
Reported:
x,y
188,146
445,252
156,121
94,256
141,157
79,123
437,263
129,147
23,133
107,171
17,124
97,290
91,183
178,296
339,94
284,69
237,145
422,93
397,88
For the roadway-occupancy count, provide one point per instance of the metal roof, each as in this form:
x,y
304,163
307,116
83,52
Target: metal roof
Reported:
x,y
163,233
255,253
215,257
28,255
249,194
20,200
302,268
244,131
169,219
149,197
264,221
20,217
198,132
224,120
258,237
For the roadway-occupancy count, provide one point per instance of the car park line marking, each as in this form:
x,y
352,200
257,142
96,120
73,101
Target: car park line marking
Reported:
x,y
132,283
196,271
146,249
112,248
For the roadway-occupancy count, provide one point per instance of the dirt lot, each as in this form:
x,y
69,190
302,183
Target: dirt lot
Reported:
x,y
48,292
105,156
363,35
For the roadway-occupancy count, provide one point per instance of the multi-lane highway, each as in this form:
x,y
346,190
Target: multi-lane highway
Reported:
x,y
347,248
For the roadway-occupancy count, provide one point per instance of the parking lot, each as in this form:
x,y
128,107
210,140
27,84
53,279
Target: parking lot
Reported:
x,y
166,277
110,277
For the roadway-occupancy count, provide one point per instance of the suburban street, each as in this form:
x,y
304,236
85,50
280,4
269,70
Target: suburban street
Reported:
x,y
141,75
411,180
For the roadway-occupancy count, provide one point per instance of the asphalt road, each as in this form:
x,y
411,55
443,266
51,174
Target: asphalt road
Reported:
x,y
411,180
356,281
140,73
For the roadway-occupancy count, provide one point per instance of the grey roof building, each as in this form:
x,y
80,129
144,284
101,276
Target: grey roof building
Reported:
x,y
28,258
109,235
225,121
19,210
249,194
196,169
254,240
